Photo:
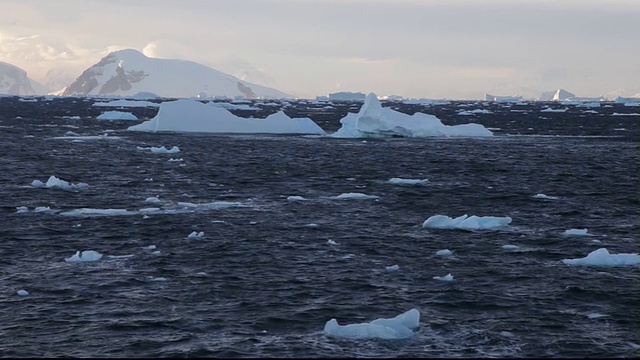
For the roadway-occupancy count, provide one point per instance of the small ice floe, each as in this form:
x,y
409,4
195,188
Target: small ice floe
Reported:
x,y
22,209
392,268
543,196
510,247
401,181
548,109
55,182
596,315
196,235
331,242
22,292
149,210
149,247
157,252
116,115
354,196
151,278
602,257
576,232
295,198
84,212
202,273
447,277
445,252
312,225
596,241
506,334
399,327
153,200
164,150
348,256
115,257
175,160
40,209
466,222
85,256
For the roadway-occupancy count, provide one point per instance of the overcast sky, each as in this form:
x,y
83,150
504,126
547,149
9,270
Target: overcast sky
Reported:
x,y
457,49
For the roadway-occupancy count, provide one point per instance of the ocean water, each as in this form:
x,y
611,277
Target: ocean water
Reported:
x,y
265,278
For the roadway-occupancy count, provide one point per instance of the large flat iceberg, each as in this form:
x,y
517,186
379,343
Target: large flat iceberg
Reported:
x,y
399,327
466,222
375,121
188,115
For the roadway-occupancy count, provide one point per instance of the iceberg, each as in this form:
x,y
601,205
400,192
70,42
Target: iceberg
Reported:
x,y
85,256
401,181
399,327
466,222
55,182
602,257
188,115
375,121
576,232
117,115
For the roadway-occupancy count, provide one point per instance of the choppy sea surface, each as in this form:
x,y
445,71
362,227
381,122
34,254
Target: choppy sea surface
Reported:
x,y
269,272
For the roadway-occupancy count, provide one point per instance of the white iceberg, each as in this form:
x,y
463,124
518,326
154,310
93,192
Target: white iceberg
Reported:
x,y
445,252
354,196
188,115
543,196
55,182
576,232
196,235
401,181
447,277
392,268
375,121
399,327
117,115
164,150
85,256
602,257
22,292
466,222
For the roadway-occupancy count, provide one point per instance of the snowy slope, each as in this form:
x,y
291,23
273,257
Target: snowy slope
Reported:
x,y
14,81
127,72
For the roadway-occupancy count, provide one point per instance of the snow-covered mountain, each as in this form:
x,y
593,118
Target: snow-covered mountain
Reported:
x,y
14,81
245,71
127,72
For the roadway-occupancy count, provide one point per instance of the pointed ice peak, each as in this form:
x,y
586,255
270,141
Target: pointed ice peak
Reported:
x,y
562,94
371,107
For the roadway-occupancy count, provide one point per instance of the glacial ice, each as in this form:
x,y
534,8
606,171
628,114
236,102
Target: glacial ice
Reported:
x,y
188,115
85,256
401,181
116,115
466,222
399,327
602,257
447,277
55,182
375,121
576,232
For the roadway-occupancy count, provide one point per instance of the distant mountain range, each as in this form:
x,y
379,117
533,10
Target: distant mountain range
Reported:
x,y
127,72
14,81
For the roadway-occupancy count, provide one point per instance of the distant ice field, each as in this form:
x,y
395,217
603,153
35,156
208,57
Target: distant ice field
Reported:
x,y
292,231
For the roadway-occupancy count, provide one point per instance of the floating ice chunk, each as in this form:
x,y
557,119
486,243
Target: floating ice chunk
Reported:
x,y
392,268
602,257
507,334
401,181
119,256
312,225
117,115
354,196
445,252
149,210
98,212
164,150
595,315
548,109
576,232
348,256
447,277
196,235
22,292
153,200
54,182
375,121
42,209
543,196
157,252
465,222
295,198
331,242
22,209
399,327
149,247
510,247
188,115
88,255
175,160
473,112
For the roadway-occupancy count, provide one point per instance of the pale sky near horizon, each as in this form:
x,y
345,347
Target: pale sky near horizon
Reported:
x,y
458,49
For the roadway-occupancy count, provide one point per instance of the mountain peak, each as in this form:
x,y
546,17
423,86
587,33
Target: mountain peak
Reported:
x,y
128,71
